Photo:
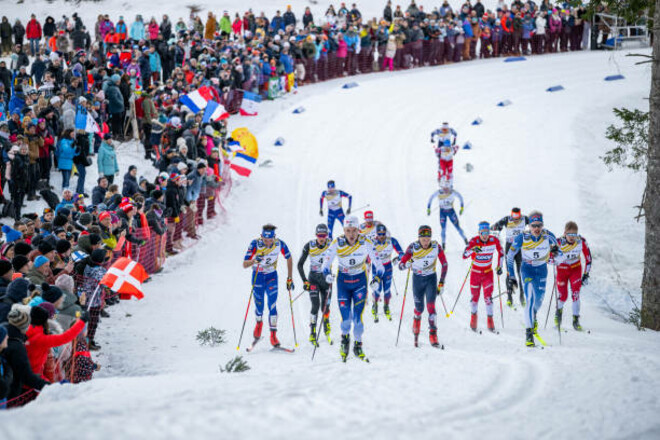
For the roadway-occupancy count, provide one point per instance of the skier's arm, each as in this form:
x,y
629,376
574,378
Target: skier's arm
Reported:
x,y
500,253
460,197
327,263
407,256
248,260
443,262
322,197
375,259
556,253
587,256
289,260
469,250
499,225
433,196
301,262
350,198
516,245
397,247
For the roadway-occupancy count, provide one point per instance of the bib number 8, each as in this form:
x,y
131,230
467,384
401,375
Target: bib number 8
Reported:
x,y
351,262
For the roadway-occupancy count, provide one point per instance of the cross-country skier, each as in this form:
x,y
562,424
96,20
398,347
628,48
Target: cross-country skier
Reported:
x,y
446,152
352,251
262,256
421,257
335,209
570,271
445,132
514,225
536,247
368,228
384,247
481,250
445,196
315,284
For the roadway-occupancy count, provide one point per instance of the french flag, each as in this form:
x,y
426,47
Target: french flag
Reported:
x,y
196,101
214,112
250,104
243,164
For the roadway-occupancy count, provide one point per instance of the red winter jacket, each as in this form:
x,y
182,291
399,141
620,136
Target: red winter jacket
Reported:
x,y
33,29
39,344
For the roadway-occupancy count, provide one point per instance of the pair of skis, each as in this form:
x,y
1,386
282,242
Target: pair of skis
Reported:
x,y
275,348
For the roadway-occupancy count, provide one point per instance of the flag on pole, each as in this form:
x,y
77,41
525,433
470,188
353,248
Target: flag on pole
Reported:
x,y
125,277
243,164
80,122
197,100
91,126
250,104
214,112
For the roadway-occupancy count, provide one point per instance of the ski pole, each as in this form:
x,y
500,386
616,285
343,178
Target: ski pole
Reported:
x,y
318,327
293,321
301,294
254,280
554,285
461,291
360,208
501,309
443,304
554,269
403,305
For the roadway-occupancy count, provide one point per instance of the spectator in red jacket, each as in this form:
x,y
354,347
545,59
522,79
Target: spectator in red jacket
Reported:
x,y
39,341
33,33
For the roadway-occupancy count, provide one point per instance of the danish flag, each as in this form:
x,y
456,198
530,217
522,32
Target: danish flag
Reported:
x,y
125,277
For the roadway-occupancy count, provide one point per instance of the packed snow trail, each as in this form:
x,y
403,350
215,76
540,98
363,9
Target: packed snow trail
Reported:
x,y
542,152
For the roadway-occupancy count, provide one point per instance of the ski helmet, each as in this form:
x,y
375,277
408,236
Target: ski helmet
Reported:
x,y
484,227
515,213
369,216
322,230
424,231
351,222
381,229
331,184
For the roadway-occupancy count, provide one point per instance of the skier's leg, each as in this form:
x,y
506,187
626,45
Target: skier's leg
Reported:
x,y
386,284
271,292
443,226
539,288
431,292
418,295
344,295
562,286
487,285
331,222
259,293
576,286
475,289
528,289
359,301
454,219
314,298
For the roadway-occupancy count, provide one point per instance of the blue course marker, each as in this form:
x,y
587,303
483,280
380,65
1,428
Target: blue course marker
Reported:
x,y
279,142
514,59
614,77
504,103
349,85
477,121
467,146
554,89
299,110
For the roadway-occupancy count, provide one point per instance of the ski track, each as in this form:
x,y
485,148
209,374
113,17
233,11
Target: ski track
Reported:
x,y
373,140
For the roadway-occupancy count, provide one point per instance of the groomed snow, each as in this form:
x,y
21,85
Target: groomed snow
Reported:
x,y
542,152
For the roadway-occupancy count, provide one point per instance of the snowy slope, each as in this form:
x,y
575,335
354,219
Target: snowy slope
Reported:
x,y
541,152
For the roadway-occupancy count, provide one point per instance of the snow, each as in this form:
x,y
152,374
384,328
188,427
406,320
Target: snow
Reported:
x,y
541,152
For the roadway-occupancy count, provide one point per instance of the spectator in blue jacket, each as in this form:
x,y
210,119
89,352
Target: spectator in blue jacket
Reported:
x,y
65,152
137,29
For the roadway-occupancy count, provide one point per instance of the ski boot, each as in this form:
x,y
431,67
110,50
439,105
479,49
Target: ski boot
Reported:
x,y
386,310
473,322
257,329
558,317
417,324
374,311
312,335
509,299
357,350
576,323
490,323
433,337
530,338
273,338
343,349
326,326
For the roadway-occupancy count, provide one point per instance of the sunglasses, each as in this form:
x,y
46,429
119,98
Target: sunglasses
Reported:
x,y
381,234
536,225
321,235
425,233
572,234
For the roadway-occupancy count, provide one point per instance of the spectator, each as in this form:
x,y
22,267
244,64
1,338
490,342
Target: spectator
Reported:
x,y
130,186
65,153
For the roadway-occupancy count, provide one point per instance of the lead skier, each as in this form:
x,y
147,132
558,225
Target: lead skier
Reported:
x,y
335,209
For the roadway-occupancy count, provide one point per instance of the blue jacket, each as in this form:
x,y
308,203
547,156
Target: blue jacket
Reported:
x,y
276,24
107,160
467,28
115,99
194,188
287,62
137,31
351,41
65,153
154,62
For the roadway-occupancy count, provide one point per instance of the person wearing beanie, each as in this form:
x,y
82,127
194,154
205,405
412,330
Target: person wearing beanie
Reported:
x,y
46,249
22,249
17,292
7,251
6,375
21,264
92,275
70,305
6,274
60,221
85,219
39,341
62,260
53,295
11,235
16,354
130,186
40,271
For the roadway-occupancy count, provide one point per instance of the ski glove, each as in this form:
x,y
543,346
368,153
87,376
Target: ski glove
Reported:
x,y
396,260
329,279
289,284
321,212
306,286
585,279
259,258
499,271
460,211
348,211
441,284
406,265
428,211
476,249
554,250
375,282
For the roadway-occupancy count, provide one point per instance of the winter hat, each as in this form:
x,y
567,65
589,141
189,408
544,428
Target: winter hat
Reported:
x,y
11,234
98,256
22,248
45,247
62,246
156,194
50,293
94,239
19,317
19,261
103,216
3,334
65,212
85,219
40,261
39,316
5,266
181,166
127,207
49,308
131,168
60,220
65,283
17,290
6,248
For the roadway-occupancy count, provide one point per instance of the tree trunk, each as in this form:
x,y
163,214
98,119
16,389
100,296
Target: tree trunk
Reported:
x,y
651,280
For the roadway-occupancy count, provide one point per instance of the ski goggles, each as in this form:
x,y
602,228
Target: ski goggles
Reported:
x,y
536,225
572,234
425,232
321,235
